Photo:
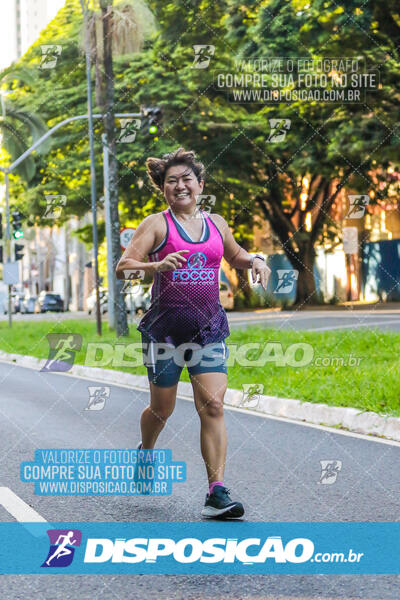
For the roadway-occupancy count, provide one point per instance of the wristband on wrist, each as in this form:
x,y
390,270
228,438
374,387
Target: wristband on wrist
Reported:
x,y
256,256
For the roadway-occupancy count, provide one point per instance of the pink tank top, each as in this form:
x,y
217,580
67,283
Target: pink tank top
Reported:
x,y
185,304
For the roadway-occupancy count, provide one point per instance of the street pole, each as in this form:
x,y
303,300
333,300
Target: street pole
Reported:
x,y
110,268
92,173
8,242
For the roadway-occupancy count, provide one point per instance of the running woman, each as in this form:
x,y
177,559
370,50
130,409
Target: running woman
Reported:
x,y
184,246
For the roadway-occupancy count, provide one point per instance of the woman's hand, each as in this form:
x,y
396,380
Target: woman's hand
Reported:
x,y
172,261
260,268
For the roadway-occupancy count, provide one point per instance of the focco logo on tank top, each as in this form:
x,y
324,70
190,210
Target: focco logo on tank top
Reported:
x,y
195,271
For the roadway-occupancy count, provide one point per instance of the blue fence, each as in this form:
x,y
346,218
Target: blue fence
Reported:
x,y
381,270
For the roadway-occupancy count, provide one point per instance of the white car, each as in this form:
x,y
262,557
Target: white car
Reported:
x,y
91,301
28,304
137,299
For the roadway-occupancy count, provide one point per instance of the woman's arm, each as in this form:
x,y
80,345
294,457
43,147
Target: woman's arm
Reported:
x,y
138,248
142,242
237,256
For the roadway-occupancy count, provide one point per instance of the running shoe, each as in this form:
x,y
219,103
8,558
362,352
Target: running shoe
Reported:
x,y
220,505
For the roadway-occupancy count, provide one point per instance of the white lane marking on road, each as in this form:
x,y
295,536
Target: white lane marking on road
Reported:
x,y
310,316
327,328
355,325
353,313
285,316
20,510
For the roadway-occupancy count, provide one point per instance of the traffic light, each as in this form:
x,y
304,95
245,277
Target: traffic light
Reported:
x,y
17,225
151,119
18,248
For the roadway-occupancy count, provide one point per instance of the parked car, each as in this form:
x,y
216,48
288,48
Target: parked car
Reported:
x,y
47,301
91,301
137,299
226,295
16,301
28,304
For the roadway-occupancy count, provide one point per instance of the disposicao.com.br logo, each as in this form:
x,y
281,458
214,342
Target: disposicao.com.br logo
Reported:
x,y
191,550
212,550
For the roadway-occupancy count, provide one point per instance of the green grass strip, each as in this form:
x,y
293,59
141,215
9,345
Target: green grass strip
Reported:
x,y
359,368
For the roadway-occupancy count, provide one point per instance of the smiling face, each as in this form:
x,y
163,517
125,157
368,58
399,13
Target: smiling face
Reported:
x,y
181,187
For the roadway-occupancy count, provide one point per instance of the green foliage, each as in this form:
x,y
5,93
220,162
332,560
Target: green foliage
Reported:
x,y
85,233
244,171
20,128
59,93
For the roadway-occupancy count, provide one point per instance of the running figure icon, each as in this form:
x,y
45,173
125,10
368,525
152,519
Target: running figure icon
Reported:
x,y
63,347
62,549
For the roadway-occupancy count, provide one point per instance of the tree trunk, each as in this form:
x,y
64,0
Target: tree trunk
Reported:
x,y
243,276
243,284
306,292
121,323
98,59
302,260
81,270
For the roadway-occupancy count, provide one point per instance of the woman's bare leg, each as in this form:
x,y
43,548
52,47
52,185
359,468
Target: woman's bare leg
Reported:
x,y
209,391
154,417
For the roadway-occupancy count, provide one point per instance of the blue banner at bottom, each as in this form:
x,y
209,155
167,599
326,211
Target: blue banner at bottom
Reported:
x,y
205,547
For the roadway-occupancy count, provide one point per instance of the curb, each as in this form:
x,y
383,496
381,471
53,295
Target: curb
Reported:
x,y
352,419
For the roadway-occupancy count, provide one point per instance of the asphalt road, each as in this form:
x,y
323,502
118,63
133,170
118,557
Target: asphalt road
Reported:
x,y
41,410
384,319
320,320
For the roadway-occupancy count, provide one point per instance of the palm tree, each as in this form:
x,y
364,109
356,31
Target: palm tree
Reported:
x,y
131,23
18,125
119,29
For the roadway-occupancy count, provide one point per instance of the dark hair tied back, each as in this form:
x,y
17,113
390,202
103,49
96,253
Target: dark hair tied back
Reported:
x,y
157,167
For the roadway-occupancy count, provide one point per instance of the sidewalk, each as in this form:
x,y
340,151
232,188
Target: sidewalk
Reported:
x,y
351,419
